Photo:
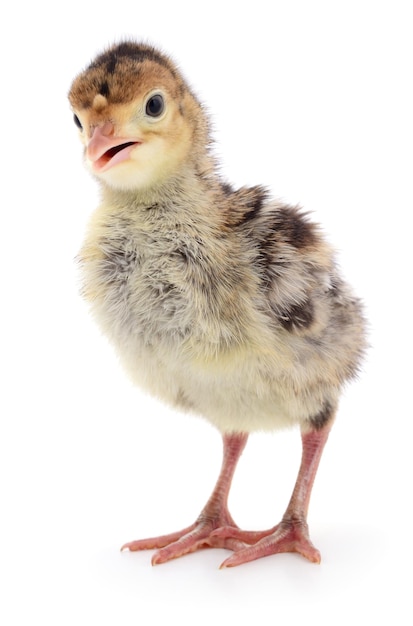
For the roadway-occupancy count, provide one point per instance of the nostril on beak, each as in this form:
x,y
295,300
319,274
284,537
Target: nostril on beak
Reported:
x,y
107,129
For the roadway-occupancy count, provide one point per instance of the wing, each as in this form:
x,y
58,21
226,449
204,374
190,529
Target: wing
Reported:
x,y
305,296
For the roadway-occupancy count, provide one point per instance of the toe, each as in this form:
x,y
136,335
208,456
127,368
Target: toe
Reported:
x,y
154,543
283,539
244,536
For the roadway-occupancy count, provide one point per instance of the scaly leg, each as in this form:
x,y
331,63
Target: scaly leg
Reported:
x,y
291,535
214,515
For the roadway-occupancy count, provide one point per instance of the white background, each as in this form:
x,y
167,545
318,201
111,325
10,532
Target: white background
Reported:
x,y
314,100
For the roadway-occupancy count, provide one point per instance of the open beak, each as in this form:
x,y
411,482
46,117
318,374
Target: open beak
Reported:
x,y
104,150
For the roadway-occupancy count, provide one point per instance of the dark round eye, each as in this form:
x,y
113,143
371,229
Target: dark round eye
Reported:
x,y
77,121
155,105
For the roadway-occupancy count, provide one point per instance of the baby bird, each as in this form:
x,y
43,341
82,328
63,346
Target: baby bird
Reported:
x,y
219,301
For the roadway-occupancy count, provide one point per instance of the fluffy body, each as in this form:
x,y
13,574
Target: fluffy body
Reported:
x,y
218,301
234,310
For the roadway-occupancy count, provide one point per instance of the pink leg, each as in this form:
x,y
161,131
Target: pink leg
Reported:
x,y
214,515
291,535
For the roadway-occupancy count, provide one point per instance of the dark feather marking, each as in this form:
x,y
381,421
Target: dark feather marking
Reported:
x,y
255,208
287,225
250,205
185,254
117,261
322,418
111,62
132,51
104,89
299,316
227,189
298,231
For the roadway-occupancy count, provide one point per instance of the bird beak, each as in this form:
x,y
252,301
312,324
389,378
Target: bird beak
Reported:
x,y
104,150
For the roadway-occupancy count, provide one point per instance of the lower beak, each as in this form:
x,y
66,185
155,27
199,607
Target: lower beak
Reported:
x,y
105,150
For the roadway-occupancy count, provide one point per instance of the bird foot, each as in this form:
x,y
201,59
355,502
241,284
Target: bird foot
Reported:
x,y
196,537
291,535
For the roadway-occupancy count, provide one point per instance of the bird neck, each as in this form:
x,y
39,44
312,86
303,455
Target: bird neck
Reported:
x,y
193,186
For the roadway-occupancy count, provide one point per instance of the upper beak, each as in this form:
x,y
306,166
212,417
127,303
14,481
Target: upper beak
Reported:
x,y
105,150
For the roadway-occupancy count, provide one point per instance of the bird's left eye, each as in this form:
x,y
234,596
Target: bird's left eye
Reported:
x,y
77,121
155,106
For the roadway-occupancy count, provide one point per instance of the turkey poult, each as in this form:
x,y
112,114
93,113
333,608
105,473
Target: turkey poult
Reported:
x,y
219,301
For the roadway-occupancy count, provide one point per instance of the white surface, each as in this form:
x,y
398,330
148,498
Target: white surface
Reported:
x,y
314,100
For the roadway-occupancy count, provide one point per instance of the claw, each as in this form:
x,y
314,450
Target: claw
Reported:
x,y
154,543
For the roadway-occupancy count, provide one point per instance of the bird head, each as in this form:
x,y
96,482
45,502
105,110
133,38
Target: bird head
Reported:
x,y
137,119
